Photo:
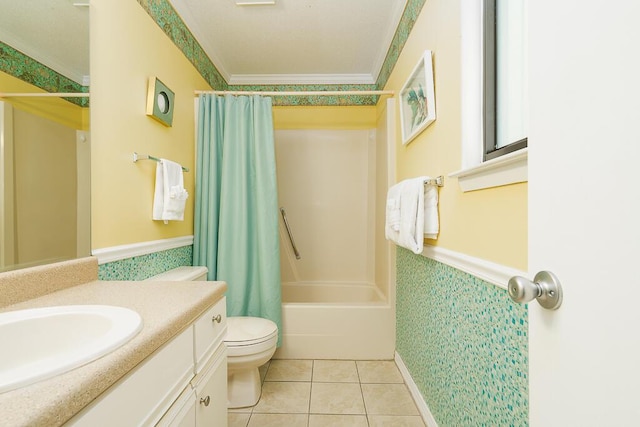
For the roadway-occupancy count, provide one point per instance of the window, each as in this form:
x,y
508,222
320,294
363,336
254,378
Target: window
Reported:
x,y
505,97
503,159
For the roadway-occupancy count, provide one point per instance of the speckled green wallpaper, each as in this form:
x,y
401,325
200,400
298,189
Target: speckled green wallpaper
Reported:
x,y
144,266
464,342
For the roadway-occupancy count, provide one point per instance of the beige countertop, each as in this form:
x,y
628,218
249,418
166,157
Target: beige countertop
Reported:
x,y
166,309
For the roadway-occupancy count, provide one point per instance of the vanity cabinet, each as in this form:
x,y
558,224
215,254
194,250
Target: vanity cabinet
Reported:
x,y
182,384
204,402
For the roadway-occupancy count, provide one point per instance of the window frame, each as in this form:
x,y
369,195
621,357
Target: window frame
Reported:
x,y
490,87
476,173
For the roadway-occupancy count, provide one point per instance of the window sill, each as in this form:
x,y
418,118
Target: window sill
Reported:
x,y
508,169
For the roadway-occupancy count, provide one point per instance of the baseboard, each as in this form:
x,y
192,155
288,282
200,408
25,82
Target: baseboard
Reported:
x,y
117,253
488,271
426,414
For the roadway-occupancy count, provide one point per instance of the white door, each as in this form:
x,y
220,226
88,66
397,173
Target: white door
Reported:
x,y
584,211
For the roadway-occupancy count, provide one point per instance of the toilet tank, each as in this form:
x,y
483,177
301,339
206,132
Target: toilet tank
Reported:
x,y
182,274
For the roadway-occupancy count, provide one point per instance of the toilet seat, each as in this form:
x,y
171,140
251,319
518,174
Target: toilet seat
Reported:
x,y
247,331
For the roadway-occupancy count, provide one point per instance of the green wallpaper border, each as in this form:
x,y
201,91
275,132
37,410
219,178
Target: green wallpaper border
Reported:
x,y
27,69
464,342
315,100
163,13
407,21
170,22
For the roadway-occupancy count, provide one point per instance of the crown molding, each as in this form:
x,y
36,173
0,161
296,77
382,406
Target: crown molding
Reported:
x,y
300,79
388,40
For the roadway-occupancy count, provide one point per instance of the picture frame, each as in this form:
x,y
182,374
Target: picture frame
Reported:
x,y
160,101
417,99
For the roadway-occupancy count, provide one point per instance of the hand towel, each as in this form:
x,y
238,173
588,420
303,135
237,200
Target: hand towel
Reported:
x,y
412,215
431,221
170,197
392,214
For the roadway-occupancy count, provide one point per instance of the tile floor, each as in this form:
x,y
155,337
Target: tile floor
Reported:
x,y
336,393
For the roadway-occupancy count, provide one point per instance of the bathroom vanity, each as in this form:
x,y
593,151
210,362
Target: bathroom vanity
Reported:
x,y
184,382
172,373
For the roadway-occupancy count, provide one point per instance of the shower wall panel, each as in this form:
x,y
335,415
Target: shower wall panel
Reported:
x,y
326,183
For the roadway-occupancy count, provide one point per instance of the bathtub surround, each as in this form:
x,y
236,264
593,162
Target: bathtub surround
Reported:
x,y
338,300
464,343
236,203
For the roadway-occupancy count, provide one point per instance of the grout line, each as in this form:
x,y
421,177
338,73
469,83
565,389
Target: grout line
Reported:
x,y
364,402
313,365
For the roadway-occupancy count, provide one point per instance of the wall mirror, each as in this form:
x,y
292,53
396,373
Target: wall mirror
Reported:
x,y
44,141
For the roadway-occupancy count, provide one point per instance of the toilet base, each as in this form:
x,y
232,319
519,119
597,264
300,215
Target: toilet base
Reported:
x,y
243,388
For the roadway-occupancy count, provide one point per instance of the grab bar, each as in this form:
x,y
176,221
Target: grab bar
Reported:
x,y
286,225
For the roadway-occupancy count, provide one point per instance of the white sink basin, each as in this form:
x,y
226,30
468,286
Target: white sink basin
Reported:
x,y
41,343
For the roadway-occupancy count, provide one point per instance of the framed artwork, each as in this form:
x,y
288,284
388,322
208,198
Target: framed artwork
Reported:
x,y
417,99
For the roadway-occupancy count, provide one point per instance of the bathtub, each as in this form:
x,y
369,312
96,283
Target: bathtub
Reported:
x,y
341,321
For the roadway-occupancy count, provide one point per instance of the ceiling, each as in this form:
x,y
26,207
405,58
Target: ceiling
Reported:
x,y
53,32
294,41
289,42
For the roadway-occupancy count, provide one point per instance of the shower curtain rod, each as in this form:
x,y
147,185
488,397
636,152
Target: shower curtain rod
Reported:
x,y
299,93
45,94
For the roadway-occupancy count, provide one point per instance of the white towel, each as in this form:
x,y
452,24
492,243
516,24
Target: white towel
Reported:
x,y
412,215
416,216
392,218
431,221
170,197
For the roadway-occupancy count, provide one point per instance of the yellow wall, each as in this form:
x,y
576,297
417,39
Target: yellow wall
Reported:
x,y
343,118
489,224
131,48
55,109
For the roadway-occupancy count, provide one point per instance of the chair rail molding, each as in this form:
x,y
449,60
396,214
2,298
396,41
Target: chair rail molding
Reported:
x,y
117,253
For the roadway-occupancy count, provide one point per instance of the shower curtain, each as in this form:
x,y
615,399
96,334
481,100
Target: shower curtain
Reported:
x,y
236,203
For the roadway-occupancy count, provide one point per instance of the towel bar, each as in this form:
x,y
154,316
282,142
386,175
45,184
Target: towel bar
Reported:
x,y
137,157
438,181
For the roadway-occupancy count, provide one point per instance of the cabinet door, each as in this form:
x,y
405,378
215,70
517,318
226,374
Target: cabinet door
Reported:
x,y
143,396
209,332
211,391
183,411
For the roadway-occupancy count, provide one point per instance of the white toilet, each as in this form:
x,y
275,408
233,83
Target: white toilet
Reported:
x,y
251,342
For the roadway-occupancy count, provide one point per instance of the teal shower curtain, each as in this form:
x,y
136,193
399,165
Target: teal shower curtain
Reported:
x,y
236,203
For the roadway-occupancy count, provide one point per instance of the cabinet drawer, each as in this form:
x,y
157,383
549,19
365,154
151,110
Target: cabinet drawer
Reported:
x,y
209,332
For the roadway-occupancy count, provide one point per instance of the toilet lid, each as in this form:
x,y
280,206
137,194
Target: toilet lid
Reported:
x,y
249,330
